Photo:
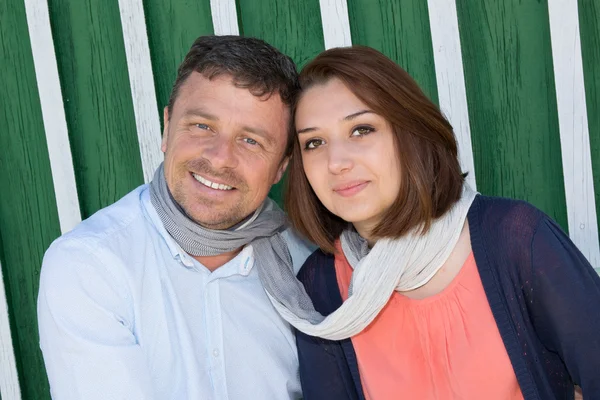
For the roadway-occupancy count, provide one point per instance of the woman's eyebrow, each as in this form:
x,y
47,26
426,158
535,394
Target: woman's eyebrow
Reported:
x,y
346,118
356,114
305,130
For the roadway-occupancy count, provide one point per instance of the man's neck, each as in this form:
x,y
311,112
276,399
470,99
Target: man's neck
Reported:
x,y
213,262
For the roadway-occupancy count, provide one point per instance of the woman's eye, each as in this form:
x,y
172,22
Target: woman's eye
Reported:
x,y
313,144
251,141
362,131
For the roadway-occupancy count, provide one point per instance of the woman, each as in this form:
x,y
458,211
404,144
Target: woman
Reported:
x,y
429,290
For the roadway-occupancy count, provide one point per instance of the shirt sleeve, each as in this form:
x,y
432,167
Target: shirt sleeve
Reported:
x,y
299,248
566,305
85,318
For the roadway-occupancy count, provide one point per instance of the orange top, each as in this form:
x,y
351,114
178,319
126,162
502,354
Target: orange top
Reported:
x,y
446,346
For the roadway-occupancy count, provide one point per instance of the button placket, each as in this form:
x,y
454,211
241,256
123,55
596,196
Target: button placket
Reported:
x,y
215,339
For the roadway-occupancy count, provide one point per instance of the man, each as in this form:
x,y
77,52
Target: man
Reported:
x,y
157,296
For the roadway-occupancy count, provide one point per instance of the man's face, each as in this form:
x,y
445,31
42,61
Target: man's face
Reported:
x,y
223,149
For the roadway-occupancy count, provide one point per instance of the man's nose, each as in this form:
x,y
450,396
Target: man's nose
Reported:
x,y
221,153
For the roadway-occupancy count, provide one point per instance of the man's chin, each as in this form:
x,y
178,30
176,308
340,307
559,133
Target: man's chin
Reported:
x,y
219,221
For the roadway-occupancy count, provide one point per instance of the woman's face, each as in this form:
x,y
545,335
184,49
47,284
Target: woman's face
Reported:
x,y
349,155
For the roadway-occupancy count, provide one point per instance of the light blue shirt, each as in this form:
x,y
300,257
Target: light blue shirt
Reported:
x,y
125,313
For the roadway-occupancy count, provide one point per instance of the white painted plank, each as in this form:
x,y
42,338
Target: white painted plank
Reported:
x,y
573,125
224,17
336,24
9,380
53,114
449,72
141,82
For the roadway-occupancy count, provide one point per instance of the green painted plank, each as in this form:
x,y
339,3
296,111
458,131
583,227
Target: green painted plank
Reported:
x,y
589,28
512,101
172,26
400,30
95,84
28,216
294,27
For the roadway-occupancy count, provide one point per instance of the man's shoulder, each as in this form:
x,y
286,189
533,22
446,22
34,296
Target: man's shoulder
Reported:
x,y
106,224
91,260
107,237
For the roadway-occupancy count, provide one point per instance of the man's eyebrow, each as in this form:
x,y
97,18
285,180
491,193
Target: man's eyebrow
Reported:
x,y
346,118
198,112
258,131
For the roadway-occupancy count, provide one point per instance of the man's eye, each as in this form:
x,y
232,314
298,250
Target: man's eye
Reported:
x,y
313,144
251,141
203,127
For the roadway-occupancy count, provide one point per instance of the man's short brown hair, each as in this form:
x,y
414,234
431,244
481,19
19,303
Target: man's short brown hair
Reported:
x,y
252,63
425,145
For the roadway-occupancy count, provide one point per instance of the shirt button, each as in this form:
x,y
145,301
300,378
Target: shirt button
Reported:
x,y
216,352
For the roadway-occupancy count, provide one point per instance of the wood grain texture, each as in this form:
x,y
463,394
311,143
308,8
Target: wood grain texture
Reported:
x,y
512,102
573,125
291,26
9,377
589,28
142,85
28,216
400,30
95,85
335,21
450,79
55,123
173,25
294,27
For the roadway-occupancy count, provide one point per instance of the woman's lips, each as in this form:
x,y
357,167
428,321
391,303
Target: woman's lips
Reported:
x,y
350,188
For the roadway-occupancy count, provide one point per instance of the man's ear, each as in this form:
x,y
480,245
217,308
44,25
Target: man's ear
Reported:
x,y
165,137
281,169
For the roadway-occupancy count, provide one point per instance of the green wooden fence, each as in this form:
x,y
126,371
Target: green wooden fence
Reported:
x,y
83,83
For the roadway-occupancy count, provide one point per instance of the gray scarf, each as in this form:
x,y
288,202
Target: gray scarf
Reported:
x,y
262,230
401,264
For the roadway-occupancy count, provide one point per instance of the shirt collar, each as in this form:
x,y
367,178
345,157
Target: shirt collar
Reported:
x,y
245,259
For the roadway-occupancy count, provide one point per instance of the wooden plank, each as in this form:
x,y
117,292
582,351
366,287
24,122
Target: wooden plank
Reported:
x,y
174,25
224,16
512,101
573,124
294,27
142,85
55,124
93,72
9,379
336,25
450,78
28,212
400,30
589,15
291,26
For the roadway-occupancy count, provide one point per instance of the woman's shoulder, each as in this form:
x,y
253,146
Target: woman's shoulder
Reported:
x,y
504,218
495,209
504,229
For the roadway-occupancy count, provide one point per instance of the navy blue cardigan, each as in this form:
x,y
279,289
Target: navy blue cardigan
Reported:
x,y
543,293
